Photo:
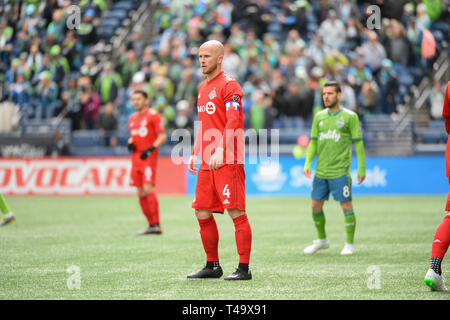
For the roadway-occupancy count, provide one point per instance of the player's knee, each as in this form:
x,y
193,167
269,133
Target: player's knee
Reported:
x,y
234,213
347,205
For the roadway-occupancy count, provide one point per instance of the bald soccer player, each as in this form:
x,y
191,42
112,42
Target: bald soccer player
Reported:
x,y
221,176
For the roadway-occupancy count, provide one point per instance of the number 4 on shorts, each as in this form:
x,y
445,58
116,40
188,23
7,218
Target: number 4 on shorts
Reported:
x,y
226,191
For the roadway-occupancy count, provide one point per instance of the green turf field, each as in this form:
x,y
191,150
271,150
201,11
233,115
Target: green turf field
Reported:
x,y
97,234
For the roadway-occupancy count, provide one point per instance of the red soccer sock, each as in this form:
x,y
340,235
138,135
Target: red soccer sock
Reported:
x,y
243,235
441,239
153,206
210,238
145,209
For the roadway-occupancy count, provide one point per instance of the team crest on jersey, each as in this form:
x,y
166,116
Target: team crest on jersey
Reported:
x,y
320,123
212,94
236,98
340,122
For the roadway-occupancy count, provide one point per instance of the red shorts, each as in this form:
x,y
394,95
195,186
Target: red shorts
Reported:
x,y
140,175
220,189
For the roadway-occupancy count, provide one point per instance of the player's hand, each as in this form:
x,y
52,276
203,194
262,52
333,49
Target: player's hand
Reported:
x,y
192,164
307,173
131,147
361,179
145,153
216,160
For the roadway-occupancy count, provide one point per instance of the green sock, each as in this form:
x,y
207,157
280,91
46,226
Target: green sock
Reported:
x,y
350,225
3,205
319,222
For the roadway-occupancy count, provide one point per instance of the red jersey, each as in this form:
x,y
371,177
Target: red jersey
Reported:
x,y
144,129
222,120
446,115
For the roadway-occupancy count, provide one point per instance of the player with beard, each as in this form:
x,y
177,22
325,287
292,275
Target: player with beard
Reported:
x,y
332,133
221,176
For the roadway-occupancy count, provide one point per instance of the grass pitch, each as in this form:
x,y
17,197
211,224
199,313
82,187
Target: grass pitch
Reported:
x,y
98,236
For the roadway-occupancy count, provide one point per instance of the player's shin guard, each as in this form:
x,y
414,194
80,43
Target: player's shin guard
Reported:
x,y
441,239
350,225
153,206
210,238
243,234
319,222
145,209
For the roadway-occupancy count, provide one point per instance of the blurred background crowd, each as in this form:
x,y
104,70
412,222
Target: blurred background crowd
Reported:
x,y
281,52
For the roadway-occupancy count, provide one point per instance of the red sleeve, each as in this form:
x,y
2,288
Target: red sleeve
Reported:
x,y
157,123
446,109
233,108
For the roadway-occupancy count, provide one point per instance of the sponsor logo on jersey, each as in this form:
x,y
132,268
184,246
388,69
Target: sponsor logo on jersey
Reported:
x,y
143,131
209,108
212,94
331,135
340,122
232,104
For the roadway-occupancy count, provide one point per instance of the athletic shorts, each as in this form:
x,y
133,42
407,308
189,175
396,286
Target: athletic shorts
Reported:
x,y
141,175
220,189
340,188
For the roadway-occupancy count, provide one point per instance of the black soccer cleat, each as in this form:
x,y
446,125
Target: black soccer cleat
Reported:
x,y
151,230
206,273
240,274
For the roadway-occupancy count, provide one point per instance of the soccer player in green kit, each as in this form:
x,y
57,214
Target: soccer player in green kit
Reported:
x,y
9,217
332,133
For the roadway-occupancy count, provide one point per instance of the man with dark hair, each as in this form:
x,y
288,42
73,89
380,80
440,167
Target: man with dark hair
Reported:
x,y
147,135
332,133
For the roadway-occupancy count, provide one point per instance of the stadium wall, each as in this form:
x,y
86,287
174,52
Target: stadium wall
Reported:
x,y
110,176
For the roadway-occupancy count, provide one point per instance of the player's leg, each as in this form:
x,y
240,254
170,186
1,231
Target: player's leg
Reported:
x,y
350,226
136,179
149,199
320,193
8,215
341,188
229,182
205,203
243,236
441,241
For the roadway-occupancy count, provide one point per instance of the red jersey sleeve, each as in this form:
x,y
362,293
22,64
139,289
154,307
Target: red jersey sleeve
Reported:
x,y
157,123
446,109
232,96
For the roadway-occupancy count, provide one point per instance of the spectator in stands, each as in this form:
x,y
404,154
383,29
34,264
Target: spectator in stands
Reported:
x,y
89,68
108,84
348,10
332,31
161,87
348,99
374,52
108,124
184,115
20,92
129,67
368,98
387,79
436,101
187,88
423,20
71,103
293,42
46,95
6,45
231,62
259,110
398,46
86,33
58,147
34,60
58,25
59,66
358,73
286,16
90,103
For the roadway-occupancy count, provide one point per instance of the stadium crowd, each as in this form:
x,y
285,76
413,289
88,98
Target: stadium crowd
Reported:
x,y
280,51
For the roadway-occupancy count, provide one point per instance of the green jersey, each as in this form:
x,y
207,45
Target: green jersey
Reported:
x,y
334,134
